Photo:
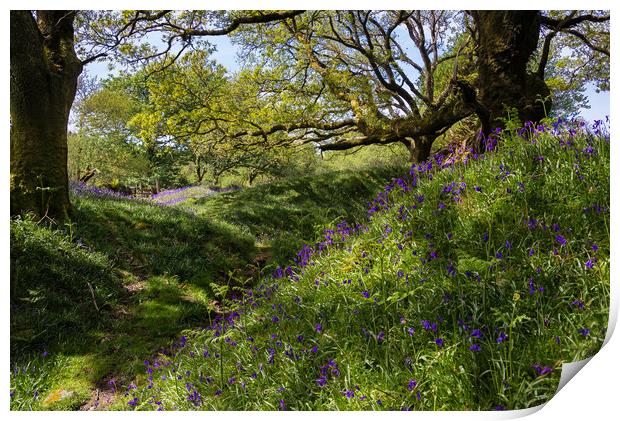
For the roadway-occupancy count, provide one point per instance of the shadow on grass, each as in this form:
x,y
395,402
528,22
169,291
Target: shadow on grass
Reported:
x,y
152,240
122,281
287,214
112,290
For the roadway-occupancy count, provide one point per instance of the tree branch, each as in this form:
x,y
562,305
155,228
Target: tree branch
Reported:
x,y
236,22
553,23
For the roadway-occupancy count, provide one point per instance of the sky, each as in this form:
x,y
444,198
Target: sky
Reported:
x,y
226,55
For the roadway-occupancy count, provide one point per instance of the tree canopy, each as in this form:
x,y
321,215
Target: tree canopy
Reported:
x,y
333,79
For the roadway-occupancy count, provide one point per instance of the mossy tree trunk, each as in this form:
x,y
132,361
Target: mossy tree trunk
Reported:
x,y
505,44
420,148
44,71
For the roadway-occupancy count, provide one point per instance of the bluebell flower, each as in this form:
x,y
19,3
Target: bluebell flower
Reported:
x,y
542,370
579,304
451,269
584,331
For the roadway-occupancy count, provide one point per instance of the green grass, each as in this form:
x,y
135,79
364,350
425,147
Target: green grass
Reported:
x,y
422,261
154,272
285,215
385,318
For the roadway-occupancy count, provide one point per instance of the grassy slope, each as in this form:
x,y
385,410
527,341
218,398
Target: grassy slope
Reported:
x,y
468,300
153,271
285,215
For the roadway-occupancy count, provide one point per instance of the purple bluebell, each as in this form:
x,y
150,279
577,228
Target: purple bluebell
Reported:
x,y
560,239
542,370
584,331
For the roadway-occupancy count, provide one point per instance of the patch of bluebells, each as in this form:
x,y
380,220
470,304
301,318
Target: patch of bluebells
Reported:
x,y
338,236
81,189
181,194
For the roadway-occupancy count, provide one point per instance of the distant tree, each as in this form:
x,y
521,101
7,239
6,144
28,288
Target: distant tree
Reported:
x,y
102,142
194,106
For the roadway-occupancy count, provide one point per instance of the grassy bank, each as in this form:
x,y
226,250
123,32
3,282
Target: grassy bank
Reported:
x,y
468,289
94,298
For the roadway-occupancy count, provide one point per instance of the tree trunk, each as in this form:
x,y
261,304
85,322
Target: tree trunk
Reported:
x,y
44,71
252,176
506,41
420,148
200,172
216,178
